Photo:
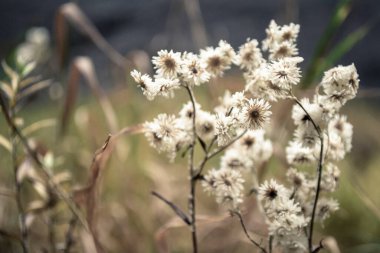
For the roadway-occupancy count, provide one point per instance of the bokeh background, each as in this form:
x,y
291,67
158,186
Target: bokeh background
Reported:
x,y
129,218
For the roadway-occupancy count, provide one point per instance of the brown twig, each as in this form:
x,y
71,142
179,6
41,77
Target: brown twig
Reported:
x,y
246,232
319,173
191,201
174,207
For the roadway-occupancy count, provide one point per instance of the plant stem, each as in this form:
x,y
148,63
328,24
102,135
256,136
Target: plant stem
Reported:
x,y
319,173
246,232
20,207
191,200
209,155
33,154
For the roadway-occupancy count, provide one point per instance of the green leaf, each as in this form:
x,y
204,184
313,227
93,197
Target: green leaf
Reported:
x,y
28,68
340,14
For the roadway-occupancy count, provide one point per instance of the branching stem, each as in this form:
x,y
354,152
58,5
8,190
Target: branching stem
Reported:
x,y
319,174
191,200
246,232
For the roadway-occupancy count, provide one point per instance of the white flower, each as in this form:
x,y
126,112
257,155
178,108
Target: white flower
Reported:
x,y
335,148
205,125
193,70
249,56
255,114
224,129
278,34
187,111
233,159
166,86
341,81
167,64
297,154
227,51
325,207
306,135
313,109
226,185
282,50
254,146
163,134
149,88
330,177
215,61
284,72
270,192
340,125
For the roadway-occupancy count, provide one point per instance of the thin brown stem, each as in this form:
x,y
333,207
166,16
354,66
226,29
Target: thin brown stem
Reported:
x,y
191,200
20,207
69,237
210,155
174,207
319,175
246,232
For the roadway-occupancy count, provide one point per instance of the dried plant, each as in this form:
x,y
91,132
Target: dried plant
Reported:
x,y
237,126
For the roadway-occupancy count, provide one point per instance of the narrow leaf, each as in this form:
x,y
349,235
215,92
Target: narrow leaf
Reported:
x,y
34,88
203,144
39,125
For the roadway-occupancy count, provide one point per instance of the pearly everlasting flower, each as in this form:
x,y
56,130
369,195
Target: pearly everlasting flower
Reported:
x,y
297,178
330,177
167,63
249,56
270,192
306,135
149,88
282,50
277,34
226,185
227,51
313,110
325,207
254,146
341,82
285,73
234,160
187,111
238,100
163,134
215,61
297,154
335,149
255,114
193,70
166,86
205,125
224,129
343,129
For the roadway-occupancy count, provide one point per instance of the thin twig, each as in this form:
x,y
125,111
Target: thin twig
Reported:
x,y
320,246
270,243
246,232
69,237
209,155
174,207
191,201
20,207
319,172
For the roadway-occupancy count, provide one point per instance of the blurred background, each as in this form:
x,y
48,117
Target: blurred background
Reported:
x,y
117,35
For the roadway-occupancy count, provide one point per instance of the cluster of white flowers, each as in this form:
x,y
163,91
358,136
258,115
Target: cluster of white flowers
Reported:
x,y
238,122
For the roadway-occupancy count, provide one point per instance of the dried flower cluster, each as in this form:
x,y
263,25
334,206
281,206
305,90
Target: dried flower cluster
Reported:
x,y
238,123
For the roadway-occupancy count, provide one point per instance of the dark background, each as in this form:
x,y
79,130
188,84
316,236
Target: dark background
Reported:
x,y
154,24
